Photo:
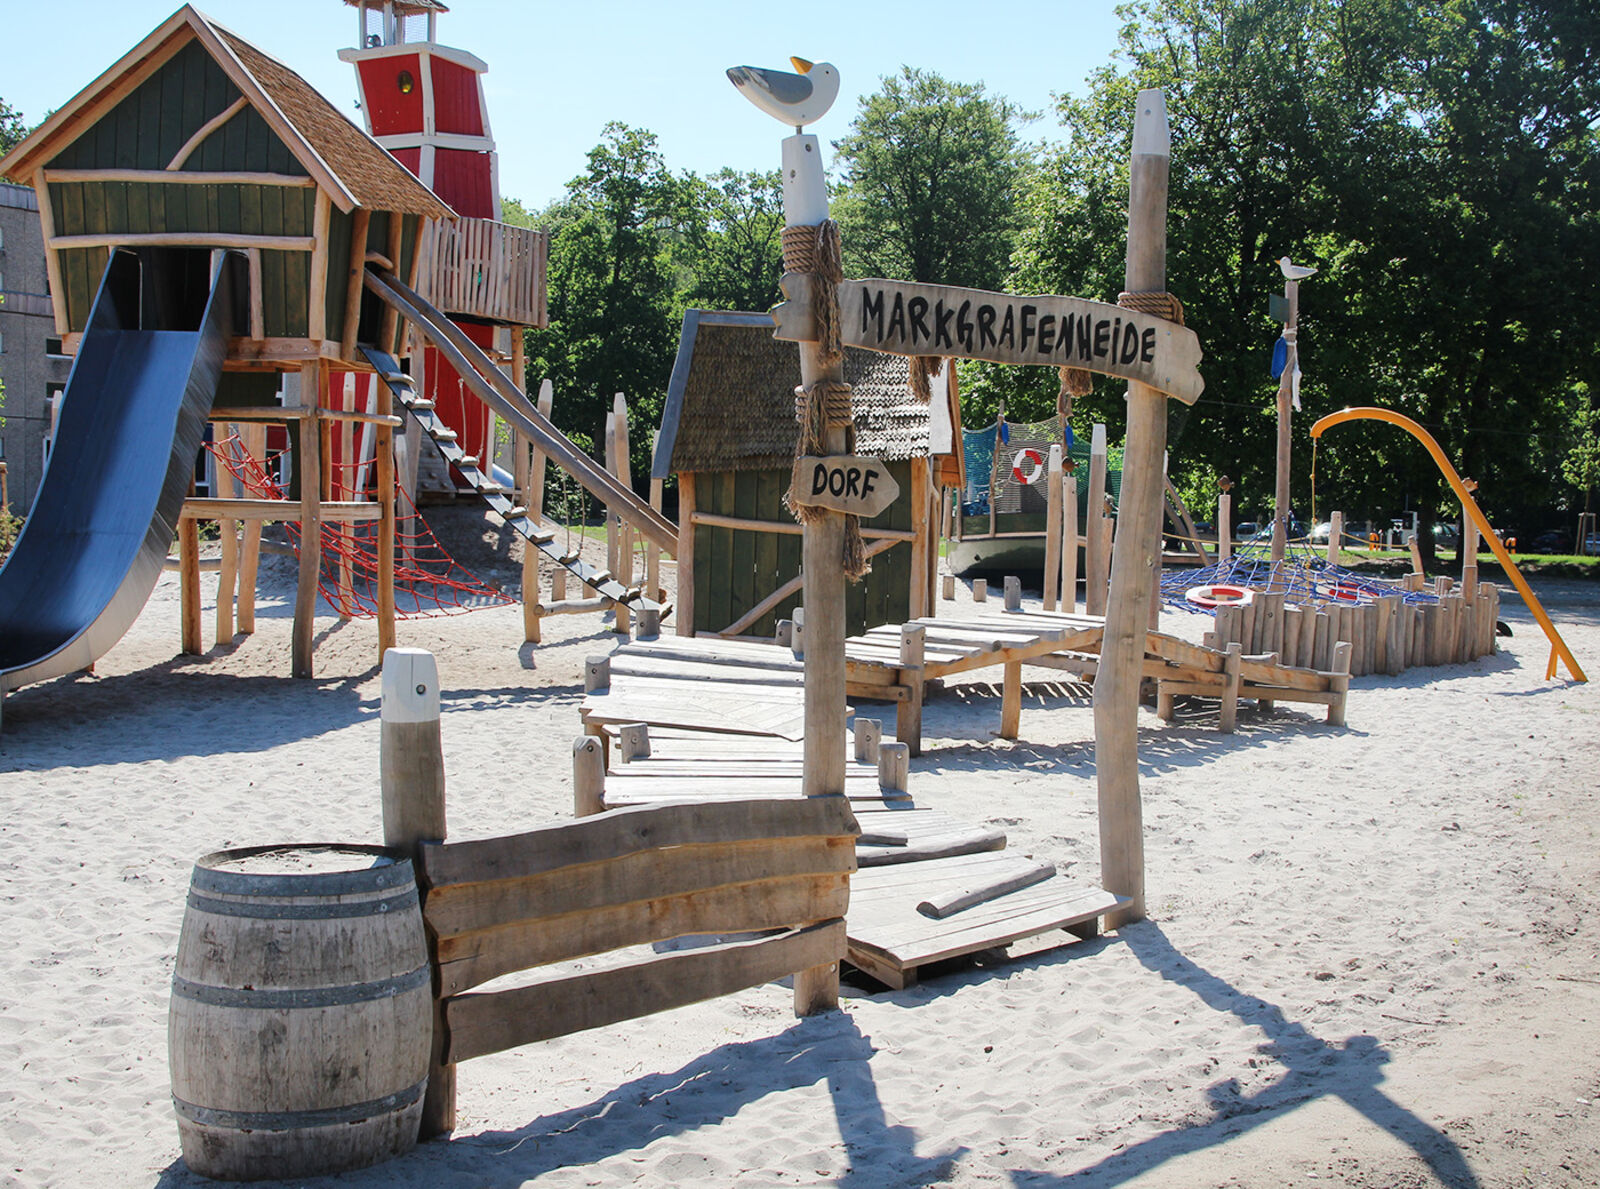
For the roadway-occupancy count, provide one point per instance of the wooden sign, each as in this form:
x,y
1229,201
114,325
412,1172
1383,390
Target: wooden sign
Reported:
x,y
903,318
845,483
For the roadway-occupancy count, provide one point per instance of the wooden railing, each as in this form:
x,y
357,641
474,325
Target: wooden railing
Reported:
x,y
486,269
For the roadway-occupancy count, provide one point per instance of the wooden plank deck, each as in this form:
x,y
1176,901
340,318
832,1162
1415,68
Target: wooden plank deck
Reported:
x,y
890,940
726,721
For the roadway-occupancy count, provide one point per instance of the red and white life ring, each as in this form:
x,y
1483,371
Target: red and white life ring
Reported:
x,y
1030,455
1347,594
1219,595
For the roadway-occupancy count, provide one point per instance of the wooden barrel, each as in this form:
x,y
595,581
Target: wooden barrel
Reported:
x,y
301,1016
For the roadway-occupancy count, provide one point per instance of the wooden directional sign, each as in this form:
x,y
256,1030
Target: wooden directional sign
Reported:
x,y
845,483
902,318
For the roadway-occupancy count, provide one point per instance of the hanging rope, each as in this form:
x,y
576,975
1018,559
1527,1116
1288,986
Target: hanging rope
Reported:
x,y
1158,302
824,405
923,369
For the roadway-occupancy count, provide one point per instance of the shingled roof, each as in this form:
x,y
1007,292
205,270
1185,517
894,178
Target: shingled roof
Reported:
x,y
730,403
349,164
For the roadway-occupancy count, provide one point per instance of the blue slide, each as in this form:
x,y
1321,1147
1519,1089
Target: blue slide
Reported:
x,y
131,423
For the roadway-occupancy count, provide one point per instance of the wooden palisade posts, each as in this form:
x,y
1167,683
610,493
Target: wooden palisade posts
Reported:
x,y
411,763
1138,552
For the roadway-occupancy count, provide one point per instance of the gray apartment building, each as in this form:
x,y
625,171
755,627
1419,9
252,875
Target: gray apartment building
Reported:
x,y
32,367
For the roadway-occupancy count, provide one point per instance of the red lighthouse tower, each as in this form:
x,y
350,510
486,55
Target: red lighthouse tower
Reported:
x,y
424,103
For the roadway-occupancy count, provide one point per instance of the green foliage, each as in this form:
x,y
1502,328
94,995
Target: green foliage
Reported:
x,y
1581,466
612,293
931,170
731,255
12,128
1436,161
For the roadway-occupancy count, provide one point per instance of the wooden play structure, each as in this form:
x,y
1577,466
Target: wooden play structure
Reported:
x,y
195,144
727,432
706,721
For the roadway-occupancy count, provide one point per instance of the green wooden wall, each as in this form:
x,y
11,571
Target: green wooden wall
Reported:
x,y
734,569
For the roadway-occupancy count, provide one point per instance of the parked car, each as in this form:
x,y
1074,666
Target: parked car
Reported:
x,y
1245,529
1554,541
1321,533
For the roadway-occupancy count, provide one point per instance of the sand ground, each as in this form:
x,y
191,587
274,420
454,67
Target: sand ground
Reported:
x,y
1372,957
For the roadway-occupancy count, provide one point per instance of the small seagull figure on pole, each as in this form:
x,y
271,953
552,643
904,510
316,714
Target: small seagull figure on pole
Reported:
x,y
1295,272
793,99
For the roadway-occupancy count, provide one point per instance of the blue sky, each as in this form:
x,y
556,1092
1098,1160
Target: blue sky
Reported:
x,y
559,71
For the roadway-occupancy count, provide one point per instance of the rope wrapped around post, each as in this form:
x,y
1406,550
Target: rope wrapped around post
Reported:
x,y
1075,381
826,404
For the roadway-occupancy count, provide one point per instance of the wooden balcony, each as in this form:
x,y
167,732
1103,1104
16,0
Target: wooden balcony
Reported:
x,y
485,269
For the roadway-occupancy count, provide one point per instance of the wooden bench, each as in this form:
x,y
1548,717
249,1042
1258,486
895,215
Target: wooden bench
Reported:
x,y
632,877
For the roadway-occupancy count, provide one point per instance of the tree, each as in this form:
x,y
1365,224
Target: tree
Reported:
x,y
613,305
930,177
12,128
1436,160
732,251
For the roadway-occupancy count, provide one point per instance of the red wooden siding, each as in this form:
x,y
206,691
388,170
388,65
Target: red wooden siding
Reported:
x,y
455,99
389,111
461,178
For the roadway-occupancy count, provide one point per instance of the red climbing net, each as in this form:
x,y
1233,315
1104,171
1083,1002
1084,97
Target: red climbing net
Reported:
x,y
427,580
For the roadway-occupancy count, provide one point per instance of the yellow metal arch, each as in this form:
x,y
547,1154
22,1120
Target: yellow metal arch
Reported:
x,y
1558,647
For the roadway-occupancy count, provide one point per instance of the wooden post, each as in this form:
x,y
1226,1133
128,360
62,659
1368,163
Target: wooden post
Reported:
x,y
908,712
1013,593
254,435
1094,566
805,204
1052,529
1069,541
869,737
1416,556
190,626
947,587
411,770
894,766
622,570
383,449
652,551
980,590
633,742
1339,684
227,487
339,476
1469,556
1280,499
305,602
1228,713
533,500
588,776
1116,686
923,547
1335,537
683,602
1224,527
1010,699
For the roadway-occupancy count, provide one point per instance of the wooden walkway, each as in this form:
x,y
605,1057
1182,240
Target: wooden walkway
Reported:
x,y
896,663
710,720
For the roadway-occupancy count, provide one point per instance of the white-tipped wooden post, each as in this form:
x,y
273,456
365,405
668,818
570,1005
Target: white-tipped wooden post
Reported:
x,y
411,782
1052,529
1280,498
588,776
1138,547
1094,567
1224,524
805,204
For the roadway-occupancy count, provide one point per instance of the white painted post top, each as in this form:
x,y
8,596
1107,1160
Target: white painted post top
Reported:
x,y
805,187
410,686
1152,135
1097,440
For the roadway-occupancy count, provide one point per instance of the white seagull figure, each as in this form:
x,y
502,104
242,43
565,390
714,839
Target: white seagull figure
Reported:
x,y
793,99
1296,272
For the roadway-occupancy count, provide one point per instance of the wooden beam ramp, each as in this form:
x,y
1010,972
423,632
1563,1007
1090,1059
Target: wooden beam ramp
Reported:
x,y
699,721
897,662
610,593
